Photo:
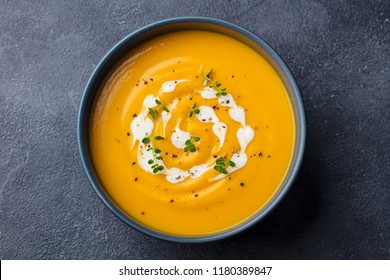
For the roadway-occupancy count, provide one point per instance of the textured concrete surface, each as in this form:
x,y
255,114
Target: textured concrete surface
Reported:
x,y
339,206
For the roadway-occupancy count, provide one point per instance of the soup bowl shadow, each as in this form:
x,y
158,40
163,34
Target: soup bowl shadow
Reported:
x,y
178,24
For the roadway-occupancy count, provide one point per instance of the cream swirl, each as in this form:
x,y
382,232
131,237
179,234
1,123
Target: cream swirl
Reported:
x,y
142,126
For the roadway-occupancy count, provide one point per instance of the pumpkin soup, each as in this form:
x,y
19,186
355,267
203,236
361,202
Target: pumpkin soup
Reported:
x,y
192,133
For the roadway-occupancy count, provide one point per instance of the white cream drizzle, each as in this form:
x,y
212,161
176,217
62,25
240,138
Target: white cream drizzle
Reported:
x,y
150,101
142,126
179,137
207,115
176,175
170,86
245,135
236,112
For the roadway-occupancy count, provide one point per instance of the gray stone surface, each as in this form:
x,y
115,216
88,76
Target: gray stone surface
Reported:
x,y
339,206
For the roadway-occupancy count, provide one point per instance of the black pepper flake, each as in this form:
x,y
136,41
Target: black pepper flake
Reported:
x,y
260,154
128,133
214,156
142,213
228,189
230,178
196,195
171,201
133,163
173,155
145,82
135,179
151,79
134,115
227,101
269,156
232,76
175,82
242,184
197,76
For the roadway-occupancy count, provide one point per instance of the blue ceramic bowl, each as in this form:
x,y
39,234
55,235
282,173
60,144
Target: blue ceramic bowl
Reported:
x,y
176,24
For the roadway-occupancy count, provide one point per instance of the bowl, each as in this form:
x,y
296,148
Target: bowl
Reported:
x,y
176,24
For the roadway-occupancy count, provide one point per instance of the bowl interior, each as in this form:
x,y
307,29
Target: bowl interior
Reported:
x,y
148,32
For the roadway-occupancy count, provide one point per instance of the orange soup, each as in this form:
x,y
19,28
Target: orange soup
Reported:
x,y
192,133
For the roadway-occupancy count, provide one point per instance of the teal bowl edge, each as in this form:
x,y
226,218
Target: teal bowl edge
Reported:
x,y
176,24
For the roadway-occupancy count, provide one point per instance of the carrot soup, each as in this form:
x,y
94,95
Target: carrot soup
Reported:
x,y
192,133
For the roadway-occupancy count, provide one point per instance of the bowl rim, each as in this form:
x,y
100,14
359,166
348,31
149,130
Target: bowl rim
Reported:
x,y
291,172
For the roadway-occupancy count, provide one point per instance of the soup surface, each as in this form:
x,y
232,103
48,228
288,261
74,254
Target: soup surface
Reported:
x,y
192,133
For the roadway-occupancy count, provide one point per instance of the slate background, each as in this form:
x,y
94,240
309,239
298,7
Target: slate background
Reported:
x,y
339,53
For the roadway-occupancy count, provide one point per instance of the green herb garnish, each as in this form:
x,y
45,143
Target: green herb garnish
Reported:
x,y
190,144
153,161
194,110
218,86
222,163
220,169
153,112
156,153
